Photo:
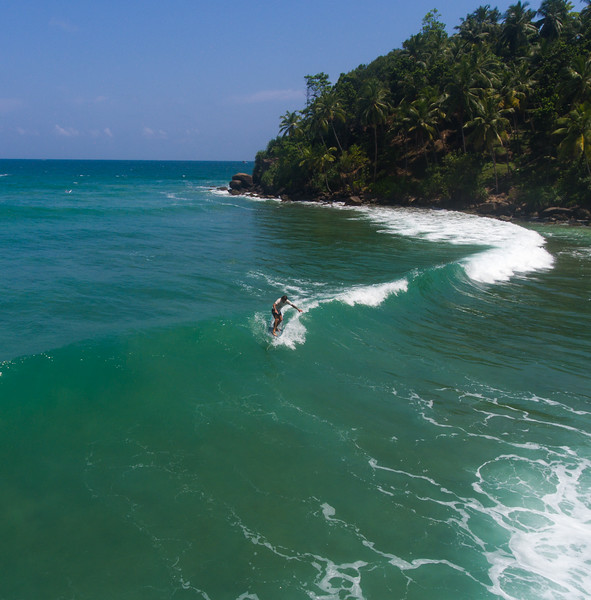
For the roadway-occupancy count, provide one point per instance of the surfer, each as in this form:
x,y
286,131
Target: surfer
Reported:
x,y
276,311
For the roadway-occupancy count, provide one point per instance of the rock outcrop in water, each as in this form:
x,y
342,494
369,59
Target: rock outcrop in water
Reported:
x,y
241,183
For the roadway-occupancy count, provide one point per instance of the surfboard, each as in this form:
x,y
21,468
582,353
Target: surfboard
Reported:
x,y
279,331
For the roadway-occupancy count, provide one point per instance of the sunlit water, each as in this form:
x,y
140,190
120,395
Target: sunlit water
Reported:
x,y
421,430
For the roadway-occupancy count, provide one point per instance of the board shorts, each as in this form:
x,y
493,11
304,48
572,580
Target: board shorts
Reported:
x,y
275,313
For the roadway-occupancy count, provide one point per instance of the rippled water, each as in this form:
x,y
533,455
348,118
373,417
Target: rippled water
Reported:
x,y
421,430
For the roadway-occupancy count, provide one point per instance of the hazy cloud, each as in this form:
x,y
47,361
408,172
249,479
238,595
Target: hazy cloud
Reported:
x,y
159,134
66,131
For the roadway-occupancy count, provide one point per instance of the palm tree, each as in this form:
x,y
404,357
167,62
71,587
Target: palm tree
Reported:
x,y
576,131
554,18
586,12
577,83
469,75
326,110
480,25
290,123
422,118
352,164
518,29
515,88
489,128
317,159
374,108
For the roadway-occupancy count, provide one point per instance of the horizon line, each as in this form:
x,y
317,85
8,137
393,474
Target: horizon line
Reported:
x,y
136,159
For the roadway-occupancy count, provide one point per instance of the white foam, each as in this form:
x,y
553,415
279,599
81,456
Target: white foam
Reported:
x,y
294,333
540,512
550,535
372,295
294,329
512,249
338,581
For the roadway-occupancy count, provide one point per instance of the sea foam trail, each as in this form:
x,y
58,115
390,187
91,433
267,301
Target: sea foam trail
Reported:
x,y
294,330
511,249
550,536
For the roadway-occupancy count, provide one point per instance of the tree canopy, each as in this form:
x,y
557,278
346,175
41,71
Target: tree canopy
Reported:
x,y
500,106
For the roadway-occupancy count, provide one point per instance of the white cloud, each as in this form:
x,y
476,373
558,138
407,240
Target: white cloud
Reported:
x,y
159,134
107,131
66,132
270,96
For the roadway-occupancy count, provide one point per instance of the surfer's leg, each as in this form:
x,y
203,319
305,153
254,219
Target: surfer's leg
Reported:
x,y
277,321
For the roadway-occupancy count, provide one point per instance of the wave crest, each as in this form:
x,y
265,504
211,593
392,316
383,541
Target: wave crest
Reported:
x,y
511,249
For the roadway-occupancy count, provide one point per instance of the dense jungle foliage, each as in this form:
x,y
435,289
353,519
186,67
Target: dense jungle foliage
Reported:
x,y
501,106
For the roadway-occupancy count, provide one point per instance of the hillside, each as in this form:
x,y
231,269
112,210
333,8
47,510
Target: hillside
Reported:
x,y
496,115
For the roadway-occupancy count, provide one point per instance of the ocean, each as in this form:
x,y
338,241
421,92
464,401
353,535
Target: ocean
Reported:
x,y
421,430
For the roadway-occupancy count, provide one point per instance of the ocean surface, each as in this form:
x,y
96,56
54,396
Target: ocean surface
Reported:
x,y
422,430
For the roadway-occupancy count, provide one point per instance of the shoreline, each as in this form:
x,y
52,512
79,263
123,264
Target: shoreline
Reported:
x,y
497,206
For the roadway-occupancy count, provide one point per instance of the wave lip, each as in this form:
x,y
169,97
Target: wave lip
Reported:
x,y
517,251
372,295
512,249
294,330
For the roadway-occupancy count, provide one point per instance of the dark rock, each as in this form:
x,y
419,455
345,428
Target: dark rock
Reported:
x,y
241,182
353,201
557,212
244,178
495,209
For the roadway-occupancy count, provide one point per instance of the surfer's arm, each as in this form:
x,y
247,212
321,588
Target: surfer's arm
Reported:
x,y
294,306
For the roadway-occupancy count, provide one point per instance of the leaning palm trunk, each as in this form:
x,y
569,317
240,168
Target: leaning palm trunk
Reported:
x,y
463,134
336,137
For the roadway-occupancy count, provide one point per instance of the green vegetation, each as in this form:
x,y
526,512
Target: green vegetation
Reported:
x,y
502,106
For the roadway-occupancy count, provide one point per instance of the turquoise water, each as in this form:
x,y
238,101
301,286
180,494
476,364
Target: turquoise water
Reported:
x,y
421,430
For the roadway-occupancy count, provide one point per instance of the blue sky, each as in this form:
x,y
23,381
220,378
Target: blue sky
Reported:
x,y
181,79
